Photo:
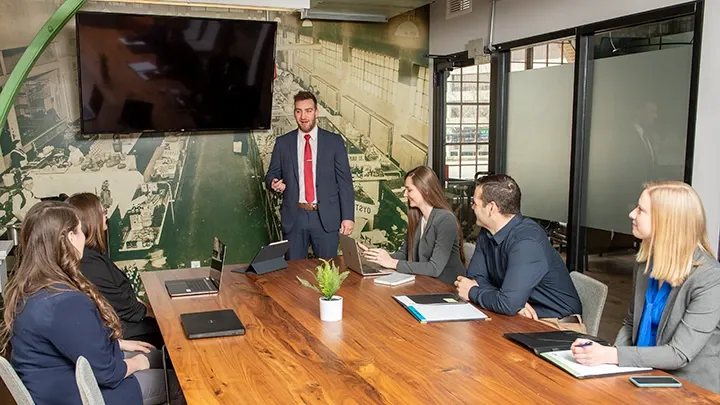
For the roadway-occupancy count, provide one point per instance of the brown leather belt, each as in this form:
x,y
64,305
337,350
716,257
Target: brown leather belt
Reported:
x,y
571,319
308,207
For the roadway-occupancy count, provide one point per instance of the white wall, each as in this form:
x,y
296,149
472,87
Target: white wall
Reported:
x,y
706,170
517,19
451,36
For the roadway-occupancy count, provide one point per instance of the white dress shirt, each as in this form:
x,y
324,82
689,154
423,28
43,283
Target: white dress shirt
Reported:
x,y
646,142
301,164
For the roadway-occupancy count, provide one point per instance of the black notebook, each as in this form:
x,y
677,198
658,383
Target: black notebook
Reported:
x,y
443,298
555,348
541,342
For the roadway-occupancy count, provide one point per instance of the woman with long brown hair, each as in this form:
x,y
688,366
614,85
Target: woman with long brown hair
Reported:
x,y
434,242
53,315
137,319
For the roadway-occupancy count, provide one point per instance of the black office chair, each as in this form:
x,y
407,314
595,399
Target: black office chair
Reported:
x,y
59,197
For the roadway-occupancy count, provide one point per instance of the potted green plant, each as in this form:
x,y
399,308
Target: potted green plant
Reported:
x,y
327,281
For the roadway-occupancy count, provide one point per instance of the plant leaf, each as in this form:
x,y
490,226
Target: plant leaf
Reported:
x,y
308,285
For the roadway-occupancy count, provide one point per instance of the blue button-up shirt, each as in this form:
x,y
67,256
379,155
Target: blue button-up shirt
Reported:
x,y
518,265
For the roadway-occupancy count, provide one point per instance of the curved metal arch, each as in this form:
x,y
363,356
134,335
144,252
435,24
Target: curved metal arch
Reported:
x,y
47,33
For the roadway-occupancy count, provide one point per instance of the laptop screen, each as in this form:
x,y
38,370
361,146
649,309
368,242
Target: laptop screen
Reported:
x,y
218,255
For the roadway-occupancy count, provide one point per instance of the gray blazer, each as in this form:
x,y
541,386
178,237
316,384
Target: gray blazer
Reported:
x,y
437,252
688,336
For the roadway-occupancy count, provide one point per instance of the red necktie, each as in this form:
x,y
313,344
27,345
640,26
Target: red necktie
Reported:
x,y
308,172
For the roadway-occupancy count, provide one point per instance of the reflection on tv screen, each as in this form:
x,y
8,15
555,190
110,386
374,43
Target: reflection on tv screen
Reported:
x,y
154,73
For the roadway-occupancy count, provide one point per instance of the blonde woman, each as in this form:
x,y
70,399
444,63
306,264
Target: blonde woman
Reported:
x,y
673,320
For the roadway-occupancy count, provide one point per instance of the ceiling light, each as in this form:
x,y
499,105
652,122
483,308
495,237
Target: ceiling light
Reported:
x,y
244,4
329,15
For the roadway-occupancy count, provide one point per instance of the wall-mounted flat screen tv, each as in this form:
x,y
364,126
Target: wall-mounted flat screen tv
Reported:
x,y
156,73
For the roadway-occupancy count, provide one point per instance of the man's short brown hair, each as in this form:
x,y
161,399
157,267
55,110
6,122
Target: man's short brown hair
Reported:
x,y
503,190
306,95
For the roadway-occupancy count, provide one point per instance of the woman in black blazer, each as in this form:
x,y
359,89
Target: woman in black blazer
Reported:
x,y
137,319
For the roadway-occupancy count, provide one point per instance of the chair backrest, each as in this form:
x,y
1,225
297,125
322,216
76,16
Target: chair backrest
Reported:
x,y
592,294
16,387
469,250
87,384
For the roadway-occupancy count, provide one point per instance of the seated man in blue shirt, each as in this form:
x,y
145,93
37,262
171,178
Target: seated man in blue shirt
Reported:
x,y
515,269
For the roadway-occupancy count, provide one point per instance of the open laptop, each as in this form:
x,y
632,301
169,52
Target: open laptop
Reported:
x,y
205,285
355,261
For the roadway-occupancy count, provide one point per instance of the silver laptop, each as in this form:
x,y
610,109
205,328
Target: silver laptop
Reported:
x,y
355,261
200,286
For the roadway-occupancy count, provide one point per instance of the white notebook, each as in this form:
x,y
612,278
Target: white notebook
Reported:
x,y
395,279
565,360
440,312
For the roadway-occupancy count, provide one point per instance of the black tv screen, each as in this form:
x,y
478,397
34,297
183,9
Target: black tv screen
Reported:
x,y
155,73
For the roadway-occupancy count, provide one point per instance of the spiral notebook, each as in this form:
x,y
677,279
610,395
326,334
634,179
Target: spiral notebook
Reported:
x,y
565,360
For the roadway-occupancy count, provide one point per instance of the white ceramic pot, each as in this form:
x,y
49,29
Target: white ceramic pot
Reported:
x,y
331,310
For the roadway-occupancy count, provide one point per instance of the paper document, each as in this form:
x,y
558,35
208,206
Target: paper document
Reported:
x,y
438,313
395,279
565,360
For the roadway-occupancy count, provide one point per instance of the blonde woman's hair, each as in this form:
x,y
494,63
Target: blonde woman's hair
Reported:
x,y
678,229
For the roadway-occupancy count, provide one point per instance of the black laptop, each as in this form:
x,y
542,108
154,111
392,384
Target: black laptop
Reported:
x,y
199,286
200,325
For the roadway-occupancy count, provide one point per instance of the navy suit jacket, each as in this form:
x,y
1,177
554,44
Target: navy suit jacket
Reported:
x,y
335,194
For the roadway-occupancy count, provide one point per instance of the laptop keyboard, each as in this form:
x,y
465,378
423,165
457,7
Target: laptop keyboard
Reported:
x,y
197,285
370,265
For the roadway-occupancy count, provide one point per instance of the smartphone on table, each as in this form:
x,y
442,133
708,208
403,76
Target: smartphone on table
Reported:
x,y
655,381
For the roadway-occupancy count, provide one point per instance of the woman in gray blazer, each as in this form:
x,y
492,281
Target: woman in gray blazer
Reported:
x,y
434,241
673,323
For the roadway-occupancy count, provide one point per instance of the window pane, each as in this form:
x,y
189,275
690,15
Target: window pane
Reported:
x,y
453,92
469,92
484,114
468,171
540,53
469,114
483,134
455,75
468,154
453,114
454,172
638,128
517,55
555,52
452,133
468,133
538,139
452,154
484,92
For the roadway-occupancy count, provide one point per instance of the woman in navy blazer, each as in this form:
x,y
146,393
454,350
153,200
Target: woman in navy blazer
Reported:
x,y
53,315
434,242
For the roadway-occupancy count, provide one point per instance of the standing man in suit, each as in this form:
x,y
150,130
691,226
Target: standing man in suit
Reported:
x,y
318,197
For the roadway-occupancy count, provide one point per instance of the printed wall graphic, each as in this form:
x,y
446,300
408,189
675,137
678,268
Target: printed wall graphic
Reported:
x,y
168,194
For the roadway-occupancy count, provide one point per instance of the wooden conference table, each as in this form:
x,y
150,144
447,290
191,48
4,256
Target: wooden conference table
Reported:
x,y
377,354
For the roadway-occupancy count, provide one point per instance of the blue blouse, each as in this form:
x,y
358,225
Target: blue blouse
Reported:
x,y
655,300
50,332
